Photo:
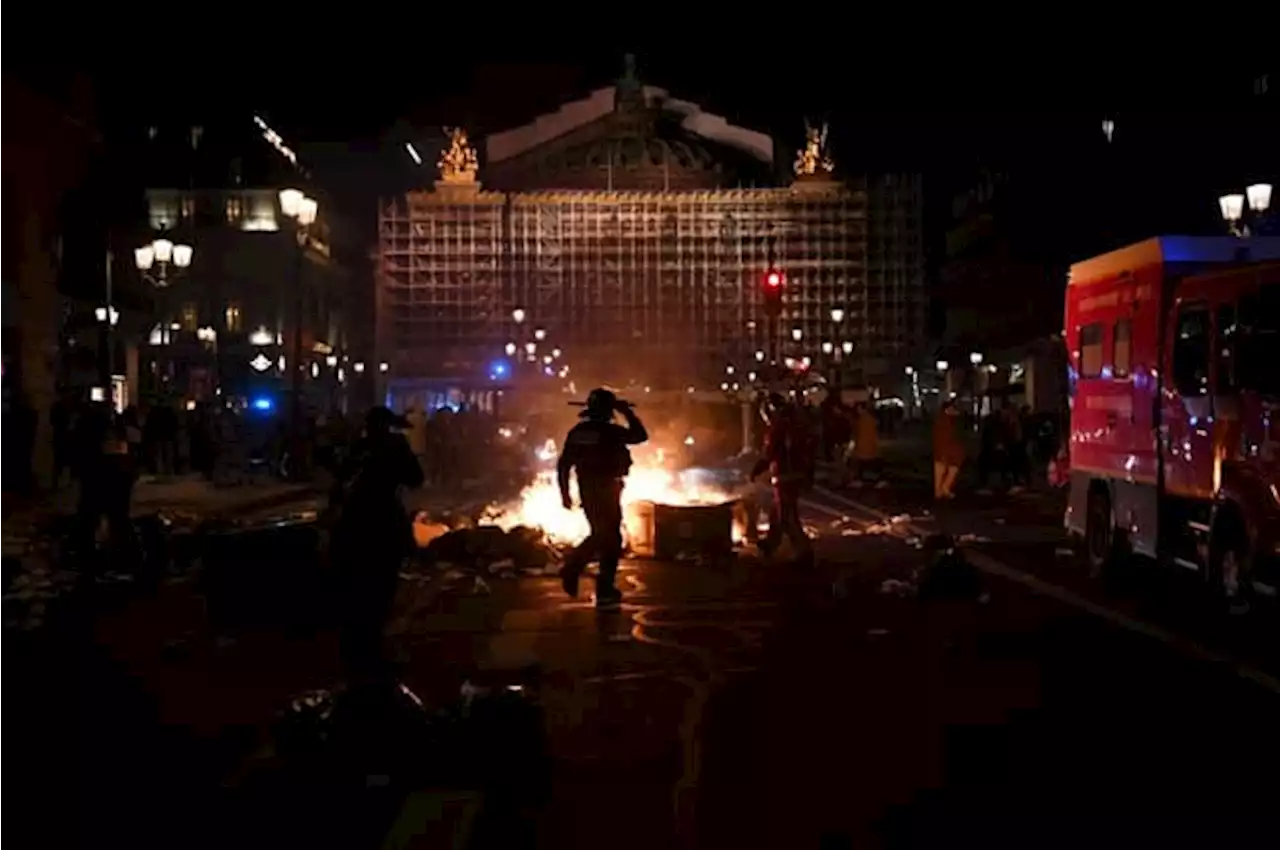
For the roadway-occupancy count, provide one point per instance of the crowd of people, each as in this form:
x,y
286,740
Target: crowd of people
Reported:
x,y
1014,446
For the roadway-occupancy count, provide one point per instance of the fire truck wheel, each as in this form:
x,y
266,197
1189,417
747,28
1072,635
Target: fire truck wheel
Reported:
x,y
1099,533
1228,572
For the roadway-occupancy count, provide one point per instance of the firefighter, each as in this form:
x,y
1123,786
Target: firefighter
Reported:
x,y
789,458
598,449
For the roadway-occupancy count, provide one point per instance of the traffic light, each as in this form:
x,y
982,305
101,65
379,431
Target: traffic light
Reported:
x,y
774,282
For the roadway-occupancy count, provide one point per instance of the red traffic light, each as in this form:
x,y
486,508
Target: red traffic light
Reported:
x,y
773,280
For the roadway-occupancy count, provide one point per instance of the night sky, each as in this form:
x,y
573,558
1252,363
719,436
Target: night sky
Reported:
x,y
361,78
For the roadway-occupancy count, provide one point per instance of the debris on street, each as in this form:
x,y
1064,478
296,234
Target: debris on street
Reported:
x,y
949,575
897,587
490,548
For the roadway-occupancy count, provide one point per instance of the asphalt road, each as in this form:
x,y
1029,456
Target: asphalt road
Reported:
x,y
730,705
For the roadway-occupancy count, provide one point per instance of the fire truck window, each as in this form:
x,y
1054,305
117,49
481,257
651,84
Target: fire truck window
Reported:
x,y
1091,351
1257,344
1121,348
1228,339
1191,352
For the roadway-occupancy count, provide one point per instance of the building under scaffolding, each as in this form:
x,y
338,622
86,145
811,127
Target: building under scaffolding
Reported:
x,y
609,241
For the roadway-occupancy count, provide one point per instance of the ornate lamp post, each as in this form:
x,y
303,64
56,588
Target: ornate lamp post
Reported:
x,y
1244,222
303,211
160,262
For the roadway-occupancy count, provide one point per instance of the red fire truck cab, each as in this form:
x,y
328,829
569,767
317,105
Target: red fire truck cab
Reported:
x,y
1174,379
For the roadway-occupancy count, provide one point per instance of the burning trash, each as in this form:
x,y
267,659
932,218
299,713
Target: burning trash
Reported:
x,y
649,485
665,512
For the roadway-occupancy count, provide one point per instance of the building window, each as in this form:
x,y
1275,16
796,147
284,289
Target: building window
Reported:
x,y
190,317
188,208
1091,351
1121,348
235,210
1191,352
163,211
234,321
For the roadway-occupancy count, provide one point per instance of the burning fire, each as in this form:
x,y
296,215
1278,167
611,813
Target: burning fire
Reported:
x,y
650,481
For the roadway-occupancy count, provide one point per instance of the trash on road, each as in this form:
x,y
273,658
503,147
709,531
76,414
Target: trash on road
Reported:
x,y
897,587
425,530
950,576
489,549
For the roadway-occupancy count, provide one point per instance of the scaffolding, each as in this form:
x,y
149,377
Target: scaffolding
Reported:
x,y
661,283
439,288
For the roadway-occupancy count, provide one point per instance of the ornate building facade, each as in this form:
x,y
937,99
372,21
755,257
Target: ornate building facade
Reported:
x,y
256,292
629,235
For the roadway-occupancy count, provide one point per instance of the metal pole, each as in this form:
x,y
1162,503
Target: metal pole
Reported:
x,y
109,364
295,384
772,353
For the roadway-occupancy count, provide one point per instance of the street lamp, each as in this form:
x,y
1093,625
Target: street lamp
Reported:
x,y
303,210
837,315
942,365
797,334
847,346
1232,207
517,315
155,259
102,314
975,357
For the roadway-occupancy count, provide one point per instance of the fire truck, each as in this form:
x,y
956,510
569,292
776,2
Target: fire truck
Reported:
x,y
1174,381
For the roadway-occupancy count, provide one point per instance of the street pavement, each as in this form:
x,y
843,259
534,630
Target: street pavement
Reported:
x,y
179,494
737,705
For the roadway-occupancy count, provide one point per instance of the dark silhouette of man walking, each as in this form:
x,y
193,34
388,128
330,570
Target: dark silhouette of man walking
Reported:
x,y
598,449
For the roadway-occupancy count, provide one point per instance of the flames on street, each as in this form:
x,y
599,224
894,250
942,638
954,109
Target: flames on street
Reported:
x,y
653,479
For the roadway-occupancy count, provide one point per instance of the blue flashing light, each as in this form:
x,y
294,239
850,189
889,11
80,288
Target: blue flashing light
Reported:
x,y
499,369
263,404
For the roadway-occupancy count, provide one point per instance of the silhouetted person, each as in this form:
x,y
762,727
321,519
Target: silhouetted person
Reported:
x,y
788,455
598,449
161,433
371,537
106,475
60,424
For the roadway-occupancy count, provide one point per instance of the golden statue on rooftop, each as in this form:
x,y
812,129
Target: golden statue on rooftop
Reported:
x,y
813,160
458,163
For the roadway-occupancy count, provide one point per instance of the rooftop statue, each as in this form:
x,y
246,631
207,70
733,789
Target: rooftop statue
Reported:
x,y
458,163
813,159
